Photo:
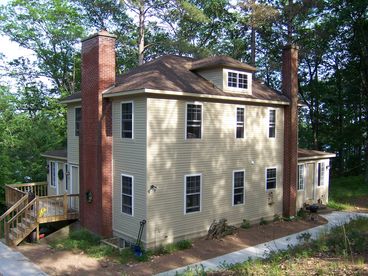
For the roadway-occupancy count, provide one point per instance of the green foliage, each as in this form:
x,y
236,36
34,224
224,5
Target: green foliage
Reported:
x,y
263,221
302,213
245,224
172,247
277,217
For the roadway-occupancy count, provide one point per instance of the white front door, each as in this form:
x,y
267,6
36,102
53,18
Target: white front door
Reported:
x,y
74,185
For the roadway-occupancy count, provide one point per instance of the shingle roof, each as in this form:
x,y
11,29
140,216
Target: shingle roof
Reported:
x,y
221,61
313,154
176,73
74,96
58,154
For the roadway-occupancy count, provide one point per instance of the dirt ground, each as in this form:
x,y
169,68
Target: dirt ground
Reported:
x,y
360,204
55,262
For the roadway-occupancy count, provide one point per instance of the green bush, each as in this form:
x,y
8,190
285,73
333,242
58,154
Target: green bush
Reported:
x,y
263,221
184,244
245,224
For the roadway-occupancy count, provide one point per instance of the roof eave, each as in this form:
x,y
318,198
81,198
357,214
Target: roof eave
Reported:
x,y
54,157
327,156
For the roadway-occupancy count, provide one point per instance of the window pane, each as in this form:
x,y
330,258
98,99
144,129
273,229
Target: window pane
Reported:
x,y
194,121
193,193
232,79
127,194
272,124
240,122
127,120
238,188
238,199
78,117
271,178
243,81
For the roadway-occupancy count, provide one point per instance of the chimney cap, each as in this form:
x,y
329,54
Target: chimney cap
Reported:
x,y
100,33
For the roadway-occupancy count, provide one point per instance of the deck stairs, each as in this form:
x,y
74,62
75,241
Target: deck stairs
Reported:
x,y
29,206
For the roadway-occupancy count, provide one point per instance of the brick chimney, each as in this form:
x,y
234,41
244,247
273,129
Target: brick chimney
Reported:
x,y
95,140
290,89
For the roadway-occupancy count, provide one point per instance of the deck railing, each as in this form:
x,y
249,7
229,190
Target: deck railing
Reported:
x,y
36,188
12,195
58,207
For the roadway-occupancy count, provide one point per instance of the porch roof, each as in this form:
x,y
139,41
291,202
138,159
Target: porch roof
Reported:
x,y
306,154
55,154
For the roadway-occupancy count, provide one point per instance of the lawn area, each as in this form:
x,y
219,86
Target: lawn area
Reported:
x,y
343,251
348,193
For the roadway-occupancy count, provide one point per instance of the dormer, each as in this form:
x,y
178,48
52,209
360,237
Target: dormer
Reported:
x,y
227,74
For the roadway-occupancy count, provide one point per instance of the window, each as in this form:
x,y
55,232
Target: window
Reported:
x,y
53,174
238,187
192,193
270,178
127,190
321,174
78,117
237,80
272,124
67,177
240,122
127,120
194,121
300,177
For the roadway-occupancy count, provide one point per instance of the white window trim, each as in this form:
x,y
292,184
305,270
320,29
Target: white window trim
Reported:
x,y
323,163
233,187
185,193
273,189
186,115
268,123
237,89
297,184
121,194
236,121
75,118
121,125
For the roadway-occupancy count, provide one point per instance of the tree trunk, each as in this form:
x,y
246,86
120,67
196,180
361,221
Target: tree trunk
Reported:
x,y
253,47
141,34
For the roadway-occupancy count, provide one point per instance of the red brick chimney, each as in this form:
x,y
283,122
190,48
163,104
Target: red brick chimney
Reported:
x,y
95,140
290,89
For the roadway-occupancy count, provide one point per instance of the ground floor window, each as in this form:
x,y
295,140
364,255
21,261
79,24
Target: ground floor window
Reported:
x,y
321,174
270,178
192,193
301,175
127,191
238,187
53,174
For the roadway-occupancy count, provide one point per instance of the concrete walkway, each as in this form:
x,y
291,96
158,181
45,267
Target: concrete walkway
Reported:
x,y
262,250
14,263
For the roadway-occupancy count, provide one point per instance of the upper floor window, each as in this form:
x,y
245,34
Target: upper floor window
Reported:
x,y
300,177
127,190
127,123
192,193
194,121
240,122
238,187
272,123
237,80
270,178
78,117
321,174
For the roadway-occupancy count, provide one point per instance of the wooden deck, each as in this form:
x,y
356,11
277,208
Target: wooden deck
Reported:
x,y
29,206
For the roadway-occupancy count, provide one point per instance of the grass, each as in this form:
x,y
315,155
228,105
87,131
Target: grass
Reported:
x,y
344,190
337,252
90,244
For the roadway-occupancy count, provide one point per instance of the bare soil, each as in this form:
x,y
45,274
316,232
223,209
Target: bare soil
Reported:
x,y
57,262
360,204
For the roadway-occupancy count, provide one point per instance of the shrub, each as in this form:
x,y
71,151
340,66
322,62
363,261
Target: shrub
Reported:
x,y
245,224
302,213
263,221
277,217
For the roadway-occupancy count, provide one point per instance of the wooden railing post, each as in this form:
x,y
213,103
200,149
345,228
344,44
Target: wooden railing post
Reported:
x,y
65,204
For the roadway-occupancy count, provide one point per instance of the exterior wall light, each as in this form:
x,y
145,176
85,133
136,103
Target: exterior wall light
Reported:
x,y
152,188
89,196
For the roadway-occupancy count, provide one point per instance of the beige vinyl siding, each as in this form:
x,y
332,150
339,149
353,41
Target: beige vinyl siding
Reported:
x,y
129,158
170,157
73,141
213,75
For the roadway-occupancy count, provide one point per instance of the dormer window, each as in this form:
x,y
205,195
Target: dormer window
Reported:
x,y
237,80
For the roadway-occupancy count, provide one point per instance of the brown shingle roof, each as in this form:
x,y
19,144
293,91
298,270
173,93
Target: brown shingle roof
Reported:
x,y
219,62
74,96
173,73
305,154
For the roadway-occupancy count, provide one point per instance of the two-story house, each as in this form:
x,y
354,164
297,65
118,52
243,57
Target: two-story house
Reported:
x,y
179,142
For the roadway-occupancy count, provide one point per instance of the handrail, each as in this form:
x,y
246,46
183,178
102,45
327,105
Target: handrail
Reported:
x,y
56,196
37,188
41,183
11,209
21,211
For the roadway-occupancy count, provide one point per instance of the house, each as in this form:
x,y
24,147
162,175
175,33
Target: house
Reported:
x,y
180,142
